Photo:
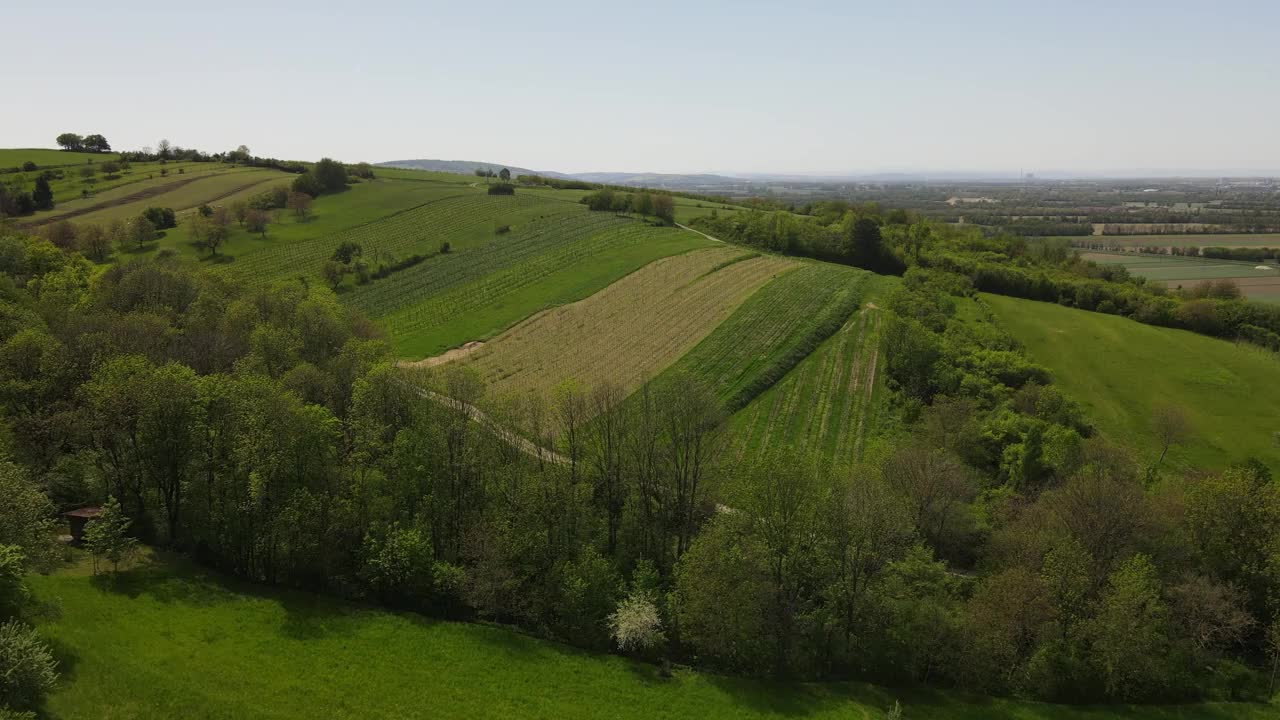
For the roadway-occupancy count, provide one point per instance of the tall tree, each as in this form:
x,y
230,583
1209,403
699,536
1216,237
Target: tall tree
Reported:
x,y
70,141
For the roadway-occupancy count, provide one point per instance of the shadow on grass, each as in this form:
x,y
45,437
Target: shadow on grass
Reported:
x,y
222,259
170,579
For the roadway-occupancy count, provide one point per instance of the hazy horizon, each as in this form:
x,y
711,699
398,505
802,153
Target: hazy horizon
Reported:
x,y
832,89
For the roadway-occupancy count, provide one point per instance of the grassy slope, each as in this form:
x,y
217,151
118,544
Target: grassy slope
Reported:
x,y
1119,369
168,640
47,158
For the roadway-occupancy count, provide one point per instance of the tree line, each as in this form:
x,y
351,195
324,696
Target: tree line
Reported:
x,y
1004,264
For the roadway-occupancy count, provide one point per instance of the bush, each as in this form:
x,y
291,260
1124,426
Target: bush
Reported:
x,y
164,218
445,248
330,174
502,189
306,183
27,668
29,166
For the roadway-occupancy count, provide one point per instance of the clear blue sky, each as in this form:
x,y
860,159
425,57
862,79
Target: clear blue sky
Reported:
x,y
668,87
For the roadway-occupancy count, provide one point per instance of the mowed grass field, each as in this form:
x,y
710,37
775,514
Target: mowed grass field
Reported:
x,y
168,640
1255,282
630,331
1120,370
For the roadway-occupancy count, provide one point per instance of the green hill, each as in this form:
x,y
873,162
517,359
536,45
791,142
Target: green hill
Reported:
x,y
1121,370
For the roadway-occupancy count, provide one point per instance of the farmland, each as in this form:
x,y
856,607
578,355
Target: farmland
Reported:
x,y
1184,240
1121,370
629,331
772,331
169,640
1173,271
472,295
826,406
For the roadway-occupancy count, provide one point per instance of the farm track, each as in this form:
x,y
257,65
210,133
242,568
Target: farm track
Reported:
x,y
508,436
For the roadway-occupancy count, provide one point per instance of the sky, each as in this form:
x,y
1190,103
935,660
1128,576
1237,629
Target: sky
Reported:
x,y
733,87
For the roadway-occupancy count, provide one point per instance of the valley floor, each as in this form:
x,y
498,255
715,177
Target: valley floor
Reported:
x,y
166,639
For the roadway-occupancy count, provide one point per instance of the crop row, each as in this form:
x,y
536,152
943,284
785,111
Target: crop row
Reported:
x,y
627,332
491,287
417,229
438,275
825,403
773,330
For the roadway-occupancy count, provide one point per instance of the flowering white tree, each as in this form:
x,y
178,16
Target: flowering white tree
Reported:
x,y
635,624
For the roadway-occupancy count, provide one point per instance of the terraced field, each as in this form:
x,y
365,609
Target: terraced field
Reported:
x,y
461,216
825,405
629,331
774,330
472,295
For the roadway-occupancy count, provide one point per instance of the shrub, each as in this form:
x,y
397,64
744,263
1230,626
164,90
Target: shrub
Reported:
x,y
27,668
164,218
502,189
306,183
29,166
445,248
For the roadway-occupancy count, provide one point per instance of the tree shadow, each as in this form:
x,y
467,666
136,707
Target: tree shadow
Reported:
x,y
222,259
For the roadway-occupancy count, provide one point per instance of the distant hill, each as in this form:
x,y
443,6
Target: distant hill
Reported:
x,y
662,180
465,167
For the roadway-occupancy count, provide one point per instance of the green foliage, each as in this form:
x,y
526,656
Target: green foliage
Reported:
x,y
42,195
307,183
107,536
330,175
28,671
163,218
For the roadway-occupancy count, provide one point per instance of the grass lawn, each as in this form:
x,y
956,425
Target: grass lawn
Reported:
x,y
168,640
1120,369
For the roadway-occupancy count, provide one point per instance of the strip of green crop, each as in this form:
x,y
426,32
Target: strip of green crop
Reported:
x,y
774,330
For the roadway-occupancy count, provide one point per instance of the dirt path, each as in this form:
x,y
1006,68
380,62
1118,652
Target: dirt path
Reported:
x,y
510,437
712,239
448,356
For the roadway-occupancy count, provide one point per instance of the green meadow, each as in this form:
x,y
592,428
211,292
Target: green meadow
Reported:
x,y
166,639
1121,370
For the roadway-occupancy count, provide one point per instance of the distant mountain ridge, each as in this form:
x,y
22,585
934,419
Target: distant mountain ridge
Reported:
x,y
638,179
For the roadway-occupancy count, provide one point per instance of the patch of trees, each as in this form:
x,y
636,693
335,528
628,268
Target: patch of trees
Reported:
x,y
641,202
326,176
502,188
162,217
83,143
